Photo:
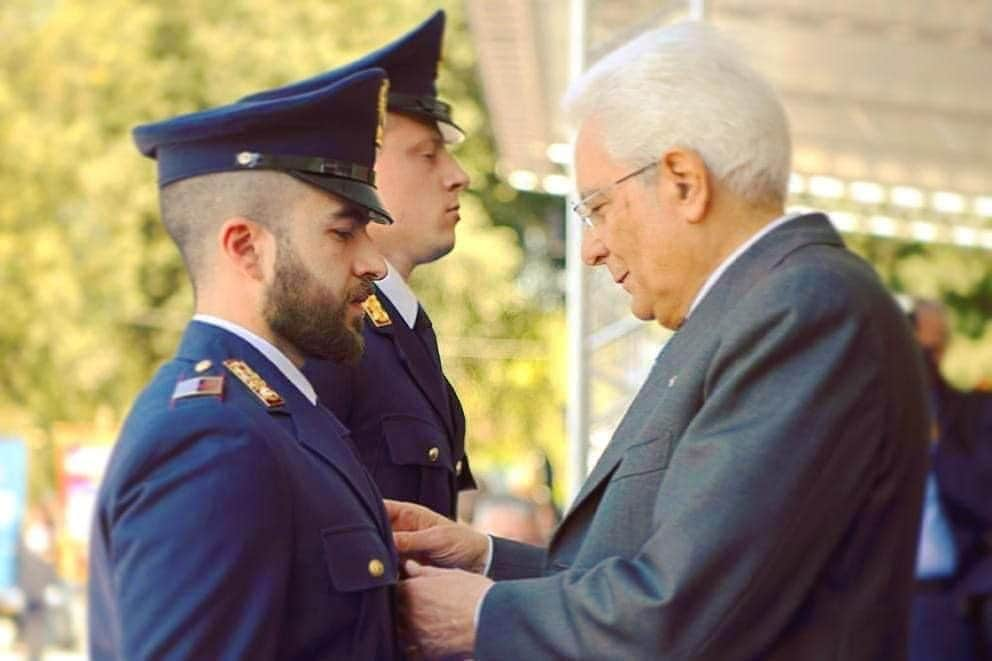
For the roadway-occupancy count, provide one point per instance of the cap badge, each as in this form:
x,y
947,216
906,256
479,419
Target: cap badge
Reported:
x,y
247,159
375,311
254,382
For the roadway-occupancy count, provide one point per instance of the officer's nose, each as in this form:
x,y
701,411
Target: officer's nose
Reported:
x,y
456,179
369,263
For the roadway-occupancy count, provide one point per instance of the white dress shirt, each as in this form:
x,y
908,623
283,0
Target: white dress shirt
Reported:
x,y
399,294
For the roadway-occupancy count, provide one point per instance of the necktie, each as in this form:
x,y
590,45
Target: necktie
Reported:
x,y
424,329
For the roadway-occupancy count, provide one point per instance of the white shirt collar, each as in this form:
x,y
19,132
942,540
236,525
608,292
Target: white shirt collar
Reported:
x,y
399,294
277,357
725,264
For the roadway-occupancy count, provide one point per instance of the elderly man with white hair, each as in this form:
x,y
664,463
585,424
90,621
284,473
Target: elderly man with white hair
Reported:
x,y
761,497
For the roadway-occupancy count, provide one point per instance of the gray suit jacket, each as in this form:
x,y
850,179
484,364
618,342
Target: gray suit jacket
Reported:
x,y
761,497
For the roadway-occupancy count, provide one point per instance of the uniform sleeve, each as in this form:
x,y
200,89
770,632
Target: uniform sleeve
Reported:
x,y
200,544
761,486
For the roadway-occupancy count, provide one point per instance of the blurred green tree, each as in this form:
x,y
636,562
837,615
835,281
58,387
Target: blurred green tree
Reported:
x,y
93,292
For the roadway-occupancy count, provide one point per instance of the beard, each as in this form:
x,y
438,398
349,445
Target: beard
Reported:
x,y
309,316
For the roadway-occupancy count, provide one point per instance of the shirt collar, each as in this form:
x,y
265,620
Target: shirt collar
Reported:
x,y
725,264
267,349
399,294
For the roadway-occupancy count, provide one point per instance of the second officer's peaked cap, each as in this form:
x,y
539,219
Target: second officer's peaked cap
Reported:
x,y
411,62
325,136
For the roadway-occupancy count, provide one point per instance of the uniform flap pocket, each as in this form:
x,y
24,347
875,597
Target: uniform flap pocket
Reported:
x,y
357,558
415,441
646,456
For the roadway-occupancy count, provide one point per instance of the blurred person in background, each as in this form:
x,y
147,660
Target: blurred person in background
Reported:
x,y
39,584
509,517
951,614
404,416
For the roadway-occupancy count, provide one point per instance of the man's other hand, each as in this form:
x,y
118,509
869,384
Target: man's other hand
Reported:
x,y
430,538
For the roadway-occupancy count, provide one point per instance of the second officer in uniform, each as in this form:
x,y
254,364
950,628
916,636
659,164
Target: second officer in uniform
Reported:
x,y
404,416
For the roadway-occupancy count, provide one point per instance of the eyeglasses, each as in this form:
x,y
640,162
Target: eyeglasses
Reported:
x,y
585,208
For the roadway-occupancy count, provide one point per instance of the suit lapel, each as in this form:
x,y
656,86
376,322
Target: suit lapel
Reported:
x,y
416,359
732,285
627,432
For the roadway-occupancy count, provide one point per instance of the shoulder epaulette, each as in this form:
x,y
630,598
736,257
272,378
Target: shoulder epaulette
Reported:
x,y
254,382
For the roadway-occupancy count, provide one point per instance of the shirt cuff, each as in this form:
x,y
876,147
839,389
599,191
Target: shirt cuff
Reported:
x,y
489,556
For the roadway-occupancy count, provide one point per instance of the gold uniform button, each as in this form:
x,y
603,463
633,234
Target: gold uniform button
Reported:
x,y
376,568
202,366
458,467
433,454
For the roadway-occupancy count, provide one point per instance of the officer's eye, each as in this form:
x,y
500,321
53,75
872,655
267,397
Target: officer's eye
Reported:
x,y
343,235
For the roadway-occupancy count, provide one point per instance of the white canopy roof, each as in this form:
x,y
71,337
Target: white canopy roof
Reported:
x,y
893,92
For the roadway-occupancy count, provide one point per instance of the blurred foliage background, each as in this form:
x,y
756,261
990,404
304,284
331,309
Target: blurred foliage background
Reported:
x,y
93,293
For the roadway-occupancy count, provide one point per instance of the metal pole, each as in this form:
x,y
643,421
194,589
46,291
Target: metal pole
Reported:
x,y
577,411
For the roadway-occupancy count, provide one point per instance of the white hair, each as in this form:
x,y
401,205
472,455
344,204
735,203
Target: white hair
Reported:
x,y
686,85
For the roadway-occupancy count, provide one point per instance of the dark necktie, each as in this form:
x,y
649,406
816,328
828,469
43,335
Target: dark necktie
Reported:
x,y
425,331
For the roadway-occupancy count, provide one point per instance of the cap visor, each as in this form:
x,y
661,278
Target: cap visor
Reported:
x,y
361,194
451,133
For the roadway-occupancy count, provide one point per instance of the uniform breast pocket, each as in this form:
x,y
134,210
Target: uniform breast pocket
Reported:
x,y
420,466
357,558
648,456
413,441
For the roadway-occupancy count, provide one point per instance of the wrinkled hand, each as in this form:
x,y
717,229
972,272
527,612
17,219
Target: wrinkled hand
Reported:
x,y
430,538
437,610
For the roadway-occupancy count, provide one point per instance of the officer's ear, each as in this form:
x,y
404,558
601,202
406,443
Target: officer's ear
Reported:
x,y
246,246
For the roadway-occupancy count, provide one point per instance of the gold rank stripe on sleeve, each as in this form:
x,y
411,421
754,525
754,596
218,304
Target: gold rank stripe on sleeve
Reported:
x,y
377,314
255,383
199,386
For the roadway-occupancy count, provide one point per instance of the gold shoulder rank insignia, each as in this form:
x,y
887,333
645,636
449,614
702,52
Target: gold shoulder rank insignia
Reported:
x,y
199,386
375,311
255,383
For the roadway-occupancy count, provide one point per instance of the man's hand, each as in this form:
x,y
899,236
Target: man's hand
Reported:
x,y
437,610
429,537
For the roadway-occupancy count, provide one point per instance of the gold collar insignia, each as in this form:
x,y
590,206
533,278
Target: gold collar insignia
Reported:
x,y
375,311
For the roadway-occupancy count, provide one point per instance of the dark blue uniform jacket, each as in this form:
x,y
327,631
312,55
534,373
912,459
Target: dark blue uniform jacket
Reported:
x,y
229,529
404,416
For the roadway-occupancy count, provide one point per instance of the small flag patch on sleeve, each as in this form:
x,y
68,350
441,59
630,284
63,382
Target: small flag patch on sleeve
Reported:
x,y
199,386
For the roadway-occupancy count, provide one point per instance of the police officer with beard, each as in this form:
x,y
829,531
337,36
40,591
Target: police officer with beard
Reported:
x,y
404,416
234,520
